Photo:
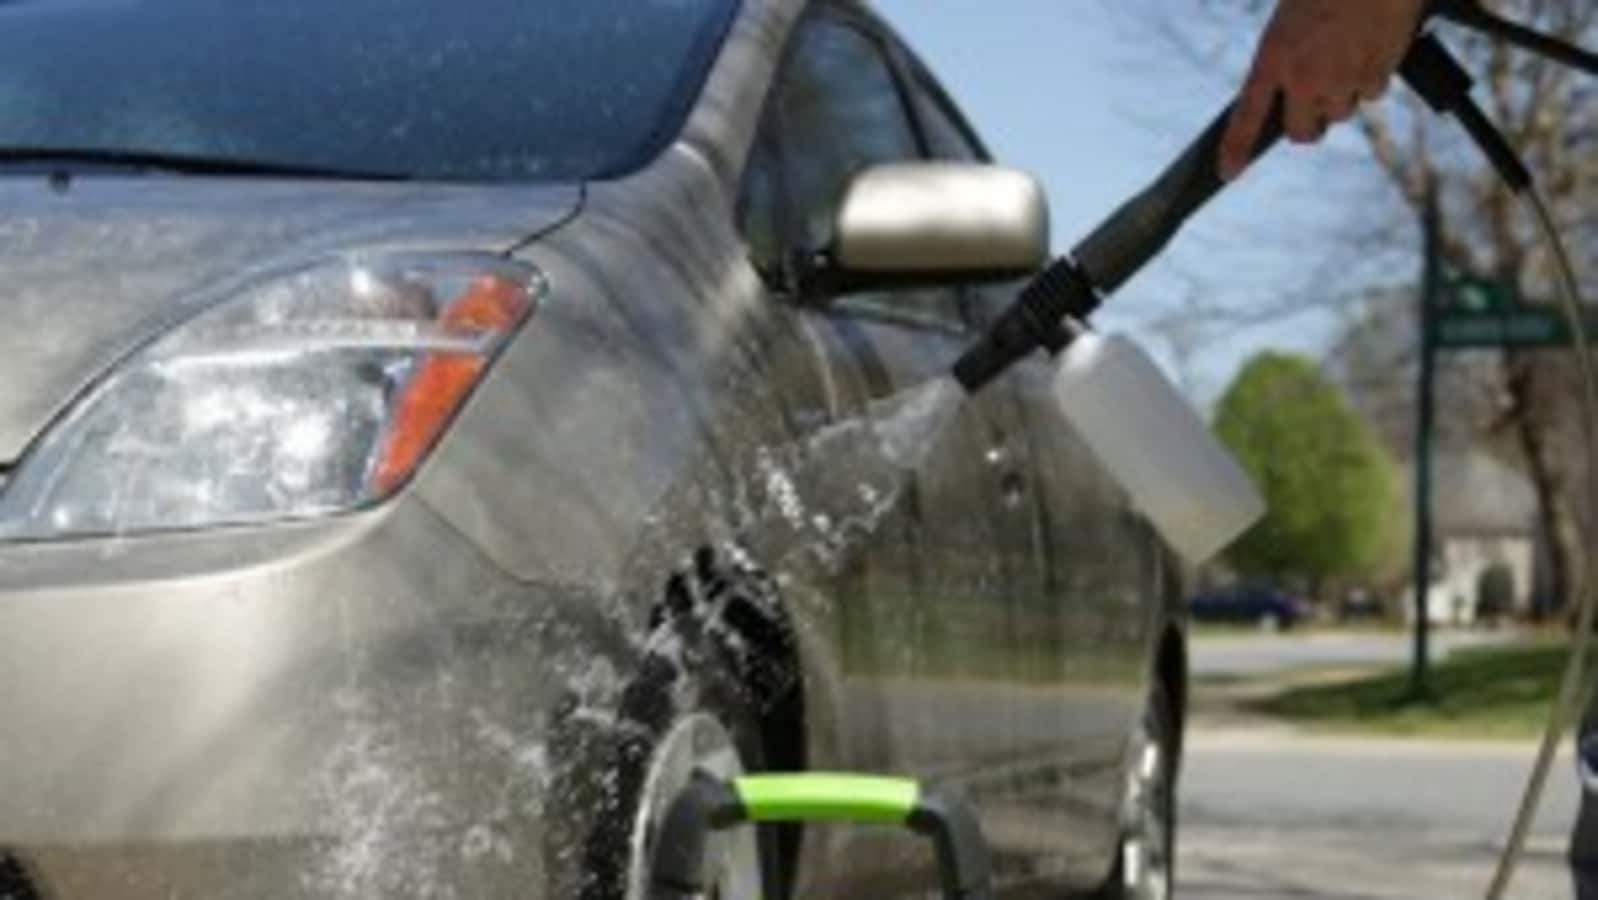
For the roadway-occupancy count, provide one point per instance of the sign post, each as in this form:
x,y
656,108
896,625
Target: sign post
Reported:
x,y
1460,312
1430,300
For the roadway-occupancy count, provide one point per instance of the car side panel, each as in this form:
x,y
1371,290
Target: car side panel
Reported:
x,y
1093,629
929,641
659,403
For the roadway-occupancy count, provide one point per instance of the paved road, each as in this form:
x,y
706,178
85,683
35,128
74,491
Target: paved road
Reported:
x,y
1268,814
1249,655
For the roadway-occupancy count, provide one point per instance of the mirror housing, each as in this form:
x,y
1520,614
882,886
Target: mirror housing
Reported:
x,y
923,223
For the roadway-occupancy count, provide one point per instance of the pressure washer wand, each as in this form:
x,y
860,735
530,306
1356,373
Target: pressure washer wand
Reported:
x,y
1072,287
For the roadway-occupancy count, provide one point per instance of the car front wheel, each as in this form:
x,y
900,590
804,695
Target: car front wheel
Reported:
x,y
690,708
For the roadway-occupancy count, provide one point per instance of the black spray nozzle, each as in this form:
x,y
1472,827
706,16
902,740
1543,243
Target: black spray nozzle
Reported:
x,y
1037,319
1072,286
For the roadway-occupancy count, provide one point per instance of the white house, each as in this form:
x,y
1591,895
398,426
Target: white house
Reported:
x,y
1485,516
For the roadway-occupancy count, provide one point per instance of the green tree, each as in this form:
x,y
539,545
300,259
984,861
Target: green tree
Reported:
x,y
1330,485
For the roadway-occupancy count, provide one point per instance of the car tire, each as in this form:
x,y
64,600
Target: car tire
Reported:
x,y
16,883
686,710
1145,863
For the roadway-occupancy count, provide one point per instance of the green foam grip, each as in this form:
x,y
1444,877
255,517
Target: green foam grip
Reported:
x,y
821,797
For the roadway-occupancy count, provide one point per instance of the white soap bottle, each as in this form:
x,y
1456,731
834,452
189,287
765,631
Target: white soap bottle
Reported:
x,y
1152,441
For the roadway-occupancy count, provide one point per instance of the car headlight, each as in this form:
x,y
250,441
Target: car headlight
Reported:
x,y
317,391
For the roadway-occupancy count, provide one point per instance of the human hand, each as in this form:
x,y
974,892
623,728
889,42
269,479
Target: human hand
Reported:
x,y
1324,57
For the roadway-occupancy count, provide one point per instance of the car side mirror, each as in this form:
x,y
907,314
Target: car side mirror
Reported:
x,y
932,223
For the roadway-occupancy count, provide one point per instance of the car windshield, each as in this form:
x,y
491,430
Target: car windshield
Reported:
x,y
491,90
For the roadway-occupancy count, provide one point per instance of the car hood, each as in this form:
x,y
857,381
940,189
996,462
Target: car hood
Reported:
x,y
91,269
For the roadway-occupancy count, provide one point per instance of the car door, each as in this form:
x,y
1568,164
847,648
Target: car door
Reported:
x,y
923,614
1083,633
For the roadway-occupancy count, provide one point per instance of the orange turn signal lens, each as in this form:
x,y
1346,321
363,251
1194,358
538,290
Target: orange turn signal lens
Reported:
x,y
444,379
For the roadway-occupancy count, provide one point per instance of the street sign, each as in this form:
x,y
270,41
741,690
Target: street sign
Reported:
x,y
1467,295
1459,312
1477,313
1524,327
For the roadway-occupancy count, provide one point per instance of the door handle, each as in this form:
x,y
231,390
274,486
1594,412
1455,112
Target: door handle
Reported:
x,y
1012,488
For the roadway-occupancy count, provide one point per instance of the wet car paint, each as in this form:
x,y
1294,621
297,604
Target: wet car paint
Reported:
x,y
429,698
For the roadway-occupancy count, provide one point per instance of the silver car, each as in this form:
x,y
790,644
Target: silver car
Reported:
x,y
434,430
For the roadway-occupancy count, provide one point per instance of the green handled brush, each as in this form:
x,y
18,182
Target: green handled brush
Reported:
x,y
708,804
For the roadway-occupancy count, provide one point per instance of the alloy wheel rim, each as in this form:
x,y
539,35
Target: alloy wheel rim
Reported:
x,y
1145,863
698,743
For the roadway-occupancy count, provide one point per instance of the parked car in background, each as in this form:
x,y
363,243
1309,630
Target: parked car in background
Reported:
x,y
1264,607
1360,604
418,449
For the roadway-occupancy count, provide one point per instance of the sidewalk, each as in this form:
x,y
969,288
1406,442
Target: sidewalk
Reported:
x,y
1268,811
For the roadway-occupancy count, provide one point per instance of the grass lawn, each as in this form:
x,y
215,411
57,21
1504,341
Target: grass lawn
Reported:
x,y
1202,630
1498,693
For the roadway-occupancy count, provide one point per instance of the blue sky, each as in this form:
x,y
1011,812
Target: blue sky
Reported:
x,y
1082,94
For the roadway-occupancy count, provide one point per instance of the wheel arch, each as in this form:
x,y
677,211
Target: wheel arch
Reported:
x,y
1171,668
753,633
